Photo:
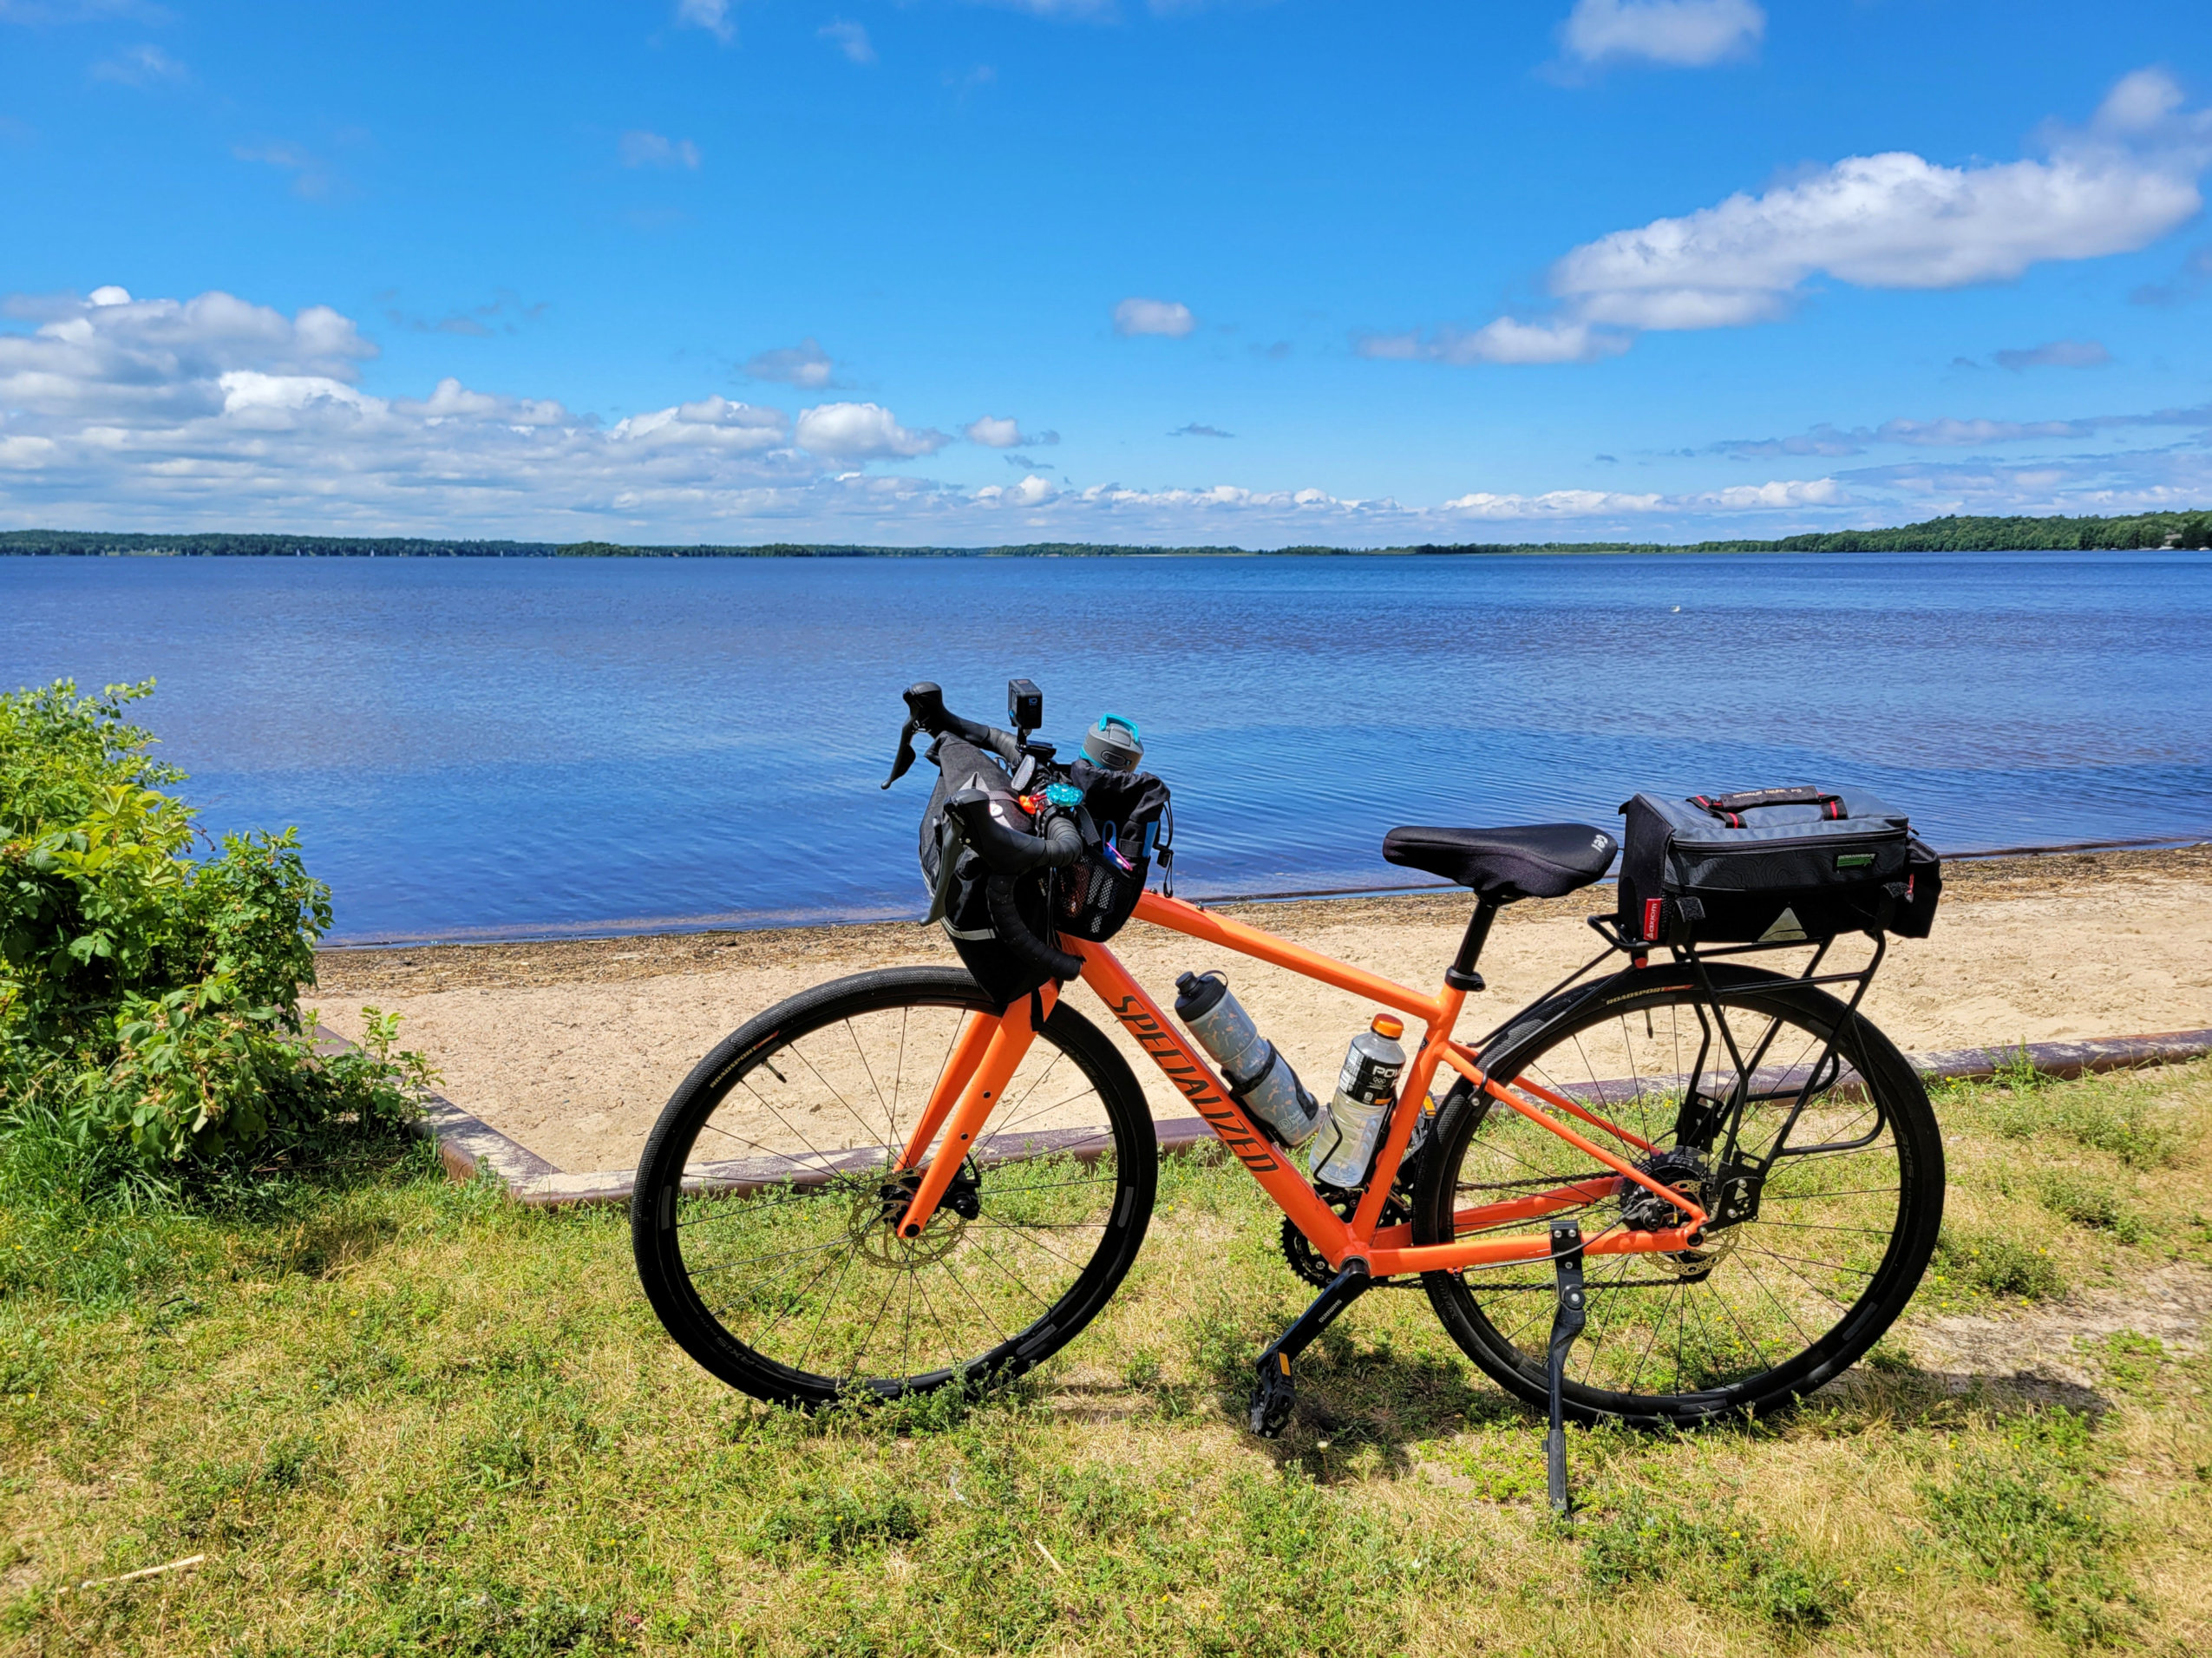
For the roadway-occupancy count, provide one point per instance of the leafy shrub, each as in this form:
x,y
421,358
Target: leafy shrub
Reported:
x,y
149,1005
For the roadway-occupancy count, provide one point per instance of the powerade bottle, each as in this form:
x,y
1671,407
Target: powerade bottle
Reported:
x,y
1366,1089
1260,1079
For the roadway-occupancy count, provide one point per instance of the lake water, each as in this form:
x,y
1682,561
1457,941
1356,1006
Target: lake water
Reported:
x,y
488,748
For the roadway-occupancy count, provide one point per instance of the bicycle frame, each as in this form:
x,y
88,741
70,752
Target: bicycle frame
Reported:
x,y
990,1048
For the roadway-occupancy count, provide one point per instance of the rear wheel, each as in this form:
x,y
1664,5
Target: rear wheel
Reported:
x,y
1767,1307
761,1216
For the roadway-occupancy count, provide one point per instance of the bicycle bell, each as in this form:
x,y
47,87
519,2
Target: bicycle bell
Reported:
x,y
1113,743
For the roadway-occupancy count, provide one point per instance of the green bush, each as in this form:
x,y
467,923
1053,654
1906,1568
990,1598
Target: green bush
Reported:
x,y
149,1011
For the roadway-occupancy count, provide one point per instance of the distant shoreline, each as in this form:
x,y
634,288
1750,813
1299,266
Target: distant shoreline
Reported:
x,y
2142,531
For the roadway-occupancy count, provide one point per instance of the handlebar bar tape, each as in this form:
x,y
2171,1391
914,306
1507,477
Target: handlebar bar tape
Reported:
x,y
926,701
1013,932
1006,849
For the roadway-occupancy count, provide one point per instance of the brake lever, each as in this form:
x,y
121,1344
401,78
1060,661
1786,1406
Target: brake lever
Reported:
x,y
904,759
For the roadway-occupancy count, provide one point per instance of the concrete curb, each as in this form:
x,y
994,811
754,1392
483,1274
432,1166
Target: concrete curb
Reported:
x,y
470,1148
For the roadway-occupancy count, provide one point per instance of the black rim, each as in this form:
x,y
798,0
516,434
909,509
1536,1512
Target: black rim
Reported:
x,y
1769,1307
767,1224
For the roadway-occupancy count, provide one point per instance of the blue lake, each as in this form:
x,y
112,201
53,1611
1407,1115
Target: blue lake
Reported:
x,y
514,747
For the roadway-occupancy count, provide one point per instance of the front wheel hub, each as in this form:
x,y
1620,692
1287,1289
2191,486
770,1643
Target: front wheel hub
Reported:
x,y
877,1209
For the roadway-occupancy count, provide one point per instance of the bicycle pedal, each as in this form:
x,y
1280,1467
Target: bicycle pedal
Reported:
x,y
1275,1396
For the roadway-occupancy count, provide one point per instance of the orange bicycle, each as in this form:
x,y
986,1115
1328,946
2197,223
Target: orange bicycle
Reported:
x,y
1679,1188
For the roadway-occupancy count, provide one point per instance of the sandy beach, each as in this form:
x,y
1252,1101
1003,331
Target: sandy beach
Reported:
x,y
572,1047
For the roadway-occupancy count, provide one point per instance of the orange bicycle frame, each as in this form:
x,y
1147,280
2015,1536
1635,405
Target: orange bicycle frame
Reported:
x,y
989,1049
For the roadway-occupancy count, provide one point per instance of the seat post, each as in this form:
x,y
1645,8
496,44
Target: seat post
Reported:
x,y
1461,975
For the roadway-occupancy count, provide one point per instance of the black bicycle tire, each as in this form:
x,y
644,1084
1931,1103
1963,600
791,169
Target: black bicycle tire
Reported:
x,y
1919,1139
683,1314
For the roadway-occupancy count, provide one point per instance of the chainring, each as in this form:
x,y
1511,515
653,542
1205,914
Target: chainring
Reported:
x,y
1306,1260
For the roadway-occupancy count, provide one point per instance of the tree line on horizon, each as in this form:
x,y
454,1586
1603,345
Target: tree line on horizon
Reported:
x,y
1947,535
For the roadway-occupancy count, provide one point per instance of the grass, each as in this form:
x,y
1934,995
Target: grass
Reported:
x,y
398,1415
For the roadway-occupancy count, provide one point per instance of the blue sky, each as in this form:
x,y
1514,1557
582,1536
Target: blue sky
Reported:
x,y
1177,272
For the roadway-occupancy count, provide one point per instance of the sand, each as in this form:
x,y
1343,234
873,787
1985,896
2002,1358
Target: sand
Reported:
x,y
573,1048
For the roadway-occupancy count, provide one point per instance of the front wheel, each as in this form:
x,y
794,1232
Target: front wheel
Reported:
x,y
1767,1308
762,1216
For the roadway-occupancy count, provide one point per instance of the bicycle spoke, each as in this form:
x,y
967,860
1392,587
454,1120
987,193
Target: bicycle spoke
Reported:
x,y
1749,1293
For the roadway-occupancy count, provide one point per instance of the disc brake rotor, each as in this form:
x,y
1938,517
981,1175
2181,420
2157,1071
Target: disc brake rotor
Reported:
x,y
877,1207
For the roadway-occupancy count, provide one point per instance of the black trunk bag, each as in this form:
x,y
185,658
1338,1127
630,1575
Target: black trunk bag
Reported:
x,y
1772,866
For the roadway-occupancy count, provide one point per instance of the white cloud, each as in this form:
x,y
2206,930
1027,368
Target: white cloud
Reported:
x,y
1503,341
218,413
1684,33
1135,315
995,432
2057,354
805,365
1606,503
1029,492
863,431
651,149
852,39
713,15
1894,220
312,178
114,356
140,66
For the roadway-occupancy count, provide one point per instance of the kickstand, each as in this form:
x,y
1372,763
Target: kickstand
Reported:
x,y
1566,1324
1274,1395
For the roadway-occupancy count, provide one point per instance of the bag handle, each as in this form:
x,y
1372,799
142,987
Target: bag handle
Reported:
x,y
1730,809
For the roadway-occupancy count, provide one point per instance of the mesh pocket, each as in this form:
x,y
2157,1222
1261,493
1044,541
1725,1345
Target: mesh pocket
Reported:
x,y
1096,896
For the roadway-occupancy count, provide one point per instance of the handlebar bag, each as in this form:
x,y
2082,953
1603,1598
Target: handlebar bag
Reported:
x,y
1093,897
1772,866
966,917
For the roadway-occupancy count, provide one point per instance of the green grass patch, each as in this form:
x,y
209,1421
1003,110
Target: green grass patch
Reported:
x,y
401,1416
1998,1264
2027,1507
1722,1559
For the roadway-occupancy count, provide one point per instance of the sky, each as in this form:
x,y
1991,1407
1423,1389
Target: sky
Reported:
x,y
1165,271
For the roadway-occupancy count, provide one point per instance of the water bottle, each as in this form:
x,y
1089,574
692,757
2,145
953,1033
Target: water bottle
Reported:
x,y
1260,1079
1366,1089
1113,744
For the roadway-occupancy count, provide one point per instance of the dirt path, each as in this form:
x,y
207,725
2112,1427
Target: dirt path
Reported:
x,y
572,1047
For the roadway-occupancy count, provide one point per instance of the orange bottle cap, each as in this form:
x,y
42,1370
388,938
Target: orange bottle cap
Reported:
x,y
1389,1025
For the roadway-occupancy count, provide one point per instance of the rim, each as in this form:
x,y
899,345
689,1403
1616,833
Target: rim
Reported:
x,y
782,1231
1764,1299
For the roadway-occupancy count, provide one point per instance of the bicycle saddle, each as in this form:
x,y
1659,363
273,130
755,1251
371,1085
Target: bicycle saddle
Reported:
x,y
1527,861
